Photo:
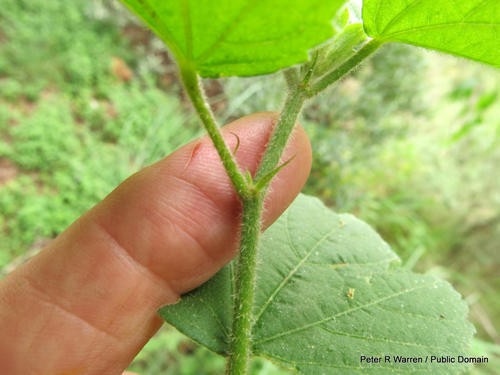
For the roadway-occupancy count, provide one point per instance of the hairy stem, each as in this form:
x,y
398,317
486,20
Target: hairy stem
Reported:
x,y
282,131
291,77
252,193
193,87
241,338
295,100
298,92
252,201
336,74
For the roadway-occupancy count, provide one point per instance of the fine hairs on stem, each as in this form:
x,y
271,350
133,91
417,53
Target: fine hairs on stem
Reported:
x,y
251,191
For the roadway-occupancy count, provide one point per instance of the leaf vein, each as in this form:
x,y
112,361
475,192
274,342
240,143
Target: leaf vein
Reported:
x,y
382,339
165,31
342,265
289,236
225,32
188,30
327,319
474,8
293,271
442,25
400,15
219,322
426,317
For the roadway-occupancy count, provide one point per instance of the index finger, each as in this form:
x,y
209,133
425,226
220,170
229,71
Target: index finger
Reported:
x,y
87,303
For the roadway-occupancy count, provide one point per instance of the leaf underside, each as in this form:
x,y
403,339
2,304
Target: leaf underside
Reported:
x,y
238,37
467,28
329,290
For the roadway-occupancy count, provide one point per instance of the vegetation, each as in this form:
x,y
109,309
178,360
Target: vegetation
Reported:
x,y
417,164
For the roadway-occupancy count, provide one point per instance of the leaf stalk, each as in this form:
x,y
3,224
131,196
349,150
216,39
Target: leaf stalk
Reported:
x,y
281,133
333,76
193,87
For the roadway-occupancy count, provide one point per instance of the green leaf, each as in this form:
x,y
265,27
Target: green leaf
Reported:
x,y
238,37
468,28
329,291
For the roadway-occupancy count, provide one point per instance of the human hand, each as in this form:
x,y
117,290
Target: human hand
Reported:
x,y
88,302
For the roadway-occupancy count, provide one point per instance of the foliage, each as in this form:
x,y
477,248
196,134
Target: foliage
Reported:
x,y
69,165
368,143
234,328
63,142
34,148
170,353
463,28
331,276
185,357
244,38
72,50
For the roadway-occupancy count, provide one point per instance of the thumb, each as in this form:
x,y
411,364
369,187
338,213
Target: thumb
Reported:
x,y
88,302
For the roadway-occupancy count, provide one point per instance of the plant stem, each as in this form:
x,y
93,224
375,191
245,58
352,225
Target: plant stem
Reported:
x,y
193,87
282,131
291,77
240,347
252,201
241,338
298,92
252,193
333,76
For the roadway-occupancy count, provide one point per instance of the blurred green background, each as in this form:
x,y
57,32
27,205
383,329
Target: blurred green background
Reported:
x,y
409,143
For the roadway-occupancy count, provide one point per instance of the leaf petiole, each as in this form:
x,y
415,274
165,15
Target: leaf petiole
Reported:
x,y
333,76
192,85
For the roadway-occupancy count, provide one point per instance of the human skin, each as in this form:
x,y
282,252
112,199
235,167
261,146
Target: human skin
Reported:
x,y
88,302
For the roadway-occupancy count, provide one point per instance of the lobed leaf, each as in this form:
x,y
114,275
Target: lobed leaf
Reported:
x,y
465,28
238,37
329,291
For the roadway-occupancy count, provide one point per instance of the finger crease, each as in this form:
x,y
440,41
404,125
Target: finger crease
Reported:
x,y
201,192
48,299
155,278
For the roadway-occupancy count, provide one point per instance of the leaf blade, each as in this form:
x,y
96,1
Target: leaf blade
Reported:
x,y
329,291
238,37
205,314
468,29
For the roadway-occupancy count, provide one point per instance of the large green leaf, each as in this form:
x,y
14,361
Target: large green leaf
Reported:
x,y
468,28
238,37
329,291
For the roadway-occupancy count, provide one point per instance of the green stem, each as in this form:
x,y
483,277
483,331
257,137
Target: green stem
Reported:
x,y
282,131
240,347
193,87
241,338
298,90
344,68
252,193
291,78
